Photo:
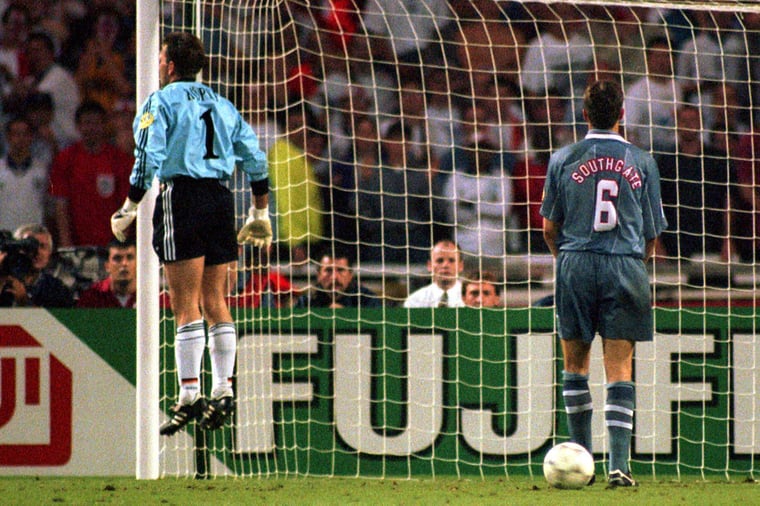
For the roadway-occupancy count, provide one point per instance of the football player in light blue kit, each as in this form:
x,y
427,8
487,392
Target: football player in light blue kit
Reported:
x,y
602,214
190,138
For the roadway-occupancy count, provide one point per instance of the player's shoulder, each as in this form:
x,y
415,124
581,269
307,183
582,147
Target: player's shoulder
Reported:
x,y
561,155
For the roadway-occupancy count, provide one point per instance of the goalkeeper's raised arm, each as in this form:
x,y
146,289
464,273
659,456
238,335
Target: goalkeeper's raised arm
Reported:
x,y
191,139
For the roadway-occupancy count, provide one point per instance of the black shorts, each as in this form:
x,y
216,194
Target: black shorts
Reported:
x,y
195,218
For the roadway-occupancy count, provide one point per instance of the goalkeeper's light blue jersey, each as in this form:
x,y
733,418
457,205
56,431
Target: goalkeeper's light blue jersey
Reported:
x,y
186,129
605,192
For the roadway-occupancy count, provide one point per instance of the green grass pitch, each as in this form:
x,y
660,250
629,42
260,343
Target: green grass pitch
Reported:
x,y
433,491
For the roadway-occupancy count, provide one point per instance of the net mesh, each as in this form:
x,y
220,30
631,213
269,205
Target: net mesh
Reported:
x,y
392,124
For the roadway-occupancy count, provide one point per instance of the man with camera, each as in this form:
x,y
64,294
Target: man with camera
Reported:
x,y
24,280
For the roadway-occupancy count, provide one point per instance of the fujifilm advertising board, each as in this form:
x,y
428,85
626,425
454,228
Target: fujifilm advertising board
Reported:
x,y
381,392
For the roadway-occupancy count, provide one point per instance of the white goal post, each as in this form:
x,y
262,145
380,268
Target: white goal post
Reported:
x,y
392,124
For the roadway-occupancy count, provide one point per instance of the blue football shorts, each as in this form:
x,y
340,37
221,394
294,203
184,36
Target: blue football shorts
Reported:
x,y
605,294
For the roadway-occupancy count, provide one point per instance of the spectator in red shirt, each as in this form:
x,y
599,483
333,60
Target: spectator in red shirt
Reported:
x,y
274,288
119,289
88,180
265,287
529,175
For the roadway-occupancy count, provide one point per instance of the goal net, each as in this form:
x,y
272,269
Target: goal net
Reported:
x,y
392,124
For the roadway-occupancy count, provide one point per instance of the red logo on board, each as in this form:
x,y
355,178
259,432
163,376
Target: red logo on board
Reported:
x,y
34,385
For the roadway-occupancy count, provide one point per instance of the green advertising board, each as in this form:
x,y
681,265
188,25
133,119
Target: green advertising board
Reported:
x,y
464,392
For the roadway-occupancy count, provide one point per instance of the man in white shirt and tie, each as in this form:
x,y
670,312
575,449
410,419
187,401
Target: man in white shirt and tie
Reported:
x,y
446,265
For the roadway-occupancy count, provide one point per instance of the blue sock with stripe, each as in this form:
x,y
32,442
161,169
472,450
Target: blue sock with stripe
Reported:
x,y
618,416
578,408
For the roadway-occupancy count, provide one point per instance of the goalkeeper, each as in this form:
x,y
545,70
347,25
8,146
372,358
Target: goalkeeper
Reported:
x,y
190,138
602,215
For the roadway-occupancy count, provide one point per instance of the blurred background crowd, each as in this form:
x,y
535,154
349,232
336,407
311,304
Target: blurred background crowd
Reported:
x,y
390,124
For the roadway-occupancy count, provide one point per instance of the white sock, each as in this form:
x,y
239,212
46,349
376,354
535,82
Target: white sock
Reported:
x,y
222,345
188,392
189,344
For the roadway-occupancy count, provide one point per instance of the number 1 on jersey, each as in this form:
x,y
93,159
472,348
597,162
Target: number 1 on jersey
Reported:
x,y
209,122
605,214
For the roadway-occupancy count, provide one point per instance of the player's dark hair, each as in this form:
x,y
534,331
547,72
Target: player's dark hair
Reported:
x,y
603,102
187,53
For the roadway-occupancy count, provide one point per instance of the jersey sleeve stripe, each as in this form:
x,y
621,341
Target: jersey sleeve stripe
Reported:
x,y
139,171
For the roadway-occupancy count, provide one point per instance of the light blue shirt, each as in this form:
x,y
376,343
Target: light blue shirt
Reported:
x,y
186,129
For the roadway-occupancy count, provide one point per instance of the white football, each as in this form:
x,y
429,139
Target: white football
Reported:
x,y
568,465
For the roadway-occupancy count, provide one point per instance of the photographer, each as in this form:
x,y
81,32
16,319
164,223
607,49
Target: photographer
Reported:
x,y
24,279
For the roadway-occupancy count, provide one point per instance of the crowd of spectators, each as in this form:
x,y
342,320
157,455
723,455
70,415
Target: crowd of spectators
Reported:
x,y
391,125
67,83
484,92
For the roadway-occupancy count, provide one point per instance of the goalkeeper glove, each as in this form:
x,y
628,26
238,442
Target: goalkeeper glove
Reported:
x,y
123,218
257,229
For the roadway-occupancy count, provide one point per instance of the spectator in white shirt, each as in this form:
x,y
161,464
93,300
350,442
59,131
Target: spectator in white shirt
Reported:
x,y
23,178
560,56
651,102
445,290
479,190
47,76
412,25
